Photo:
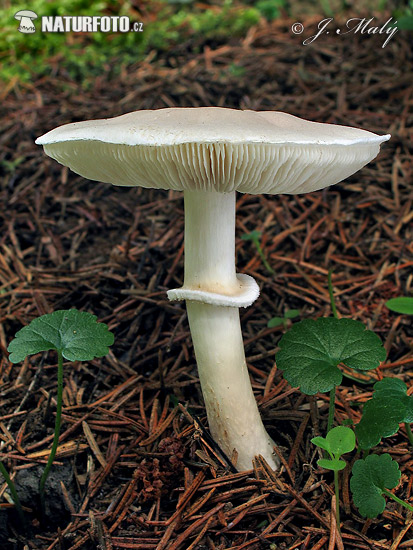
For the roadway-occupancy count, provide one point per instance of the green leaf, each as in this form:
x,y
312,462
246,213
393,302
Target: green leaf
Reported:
x,y
396,389
253,236
404,304
74,334
405,23
381,418
262,524
321,442
370,477
338,441
275,322
341,440
336,465
383,413
312,350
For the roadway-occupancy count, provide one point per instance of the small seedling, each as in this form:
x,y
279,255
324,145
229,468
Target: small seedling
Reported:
x,y
338,441
403,304
383,413
310,355
372,478
277,321
255,236
76,336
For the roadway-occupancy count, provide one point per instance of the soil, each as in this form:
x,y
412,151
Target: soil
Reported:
x,y
151,477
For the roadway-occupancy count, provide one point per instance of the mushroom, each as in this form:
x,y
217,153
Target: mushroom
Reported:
x,y
209,153
26,24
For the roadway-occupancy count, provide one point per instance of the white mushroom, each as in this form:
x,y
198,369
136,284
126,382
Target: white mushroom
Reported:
x,y
209,153
26,21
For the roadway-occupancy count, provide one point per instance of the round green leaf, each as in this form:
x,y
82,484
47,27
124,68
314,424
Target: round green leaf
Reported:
x,y
395,389
381,418
382,415
75,334
403,304
370,477
390,386
341,440
312,350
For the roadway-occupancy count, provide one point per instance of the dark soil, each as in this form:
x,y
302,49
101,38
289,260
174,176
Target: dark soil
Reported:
x,y
152,478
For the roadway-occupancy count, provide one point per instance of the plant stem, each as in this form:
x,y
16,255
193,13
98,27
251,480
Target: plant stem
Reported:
x,y
409,432
397,499
331,409
13,492
44,477
337,492
330,291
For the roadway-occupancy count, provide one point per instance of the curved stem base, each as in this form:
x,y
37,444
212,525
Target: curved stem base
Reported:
x,y
233,416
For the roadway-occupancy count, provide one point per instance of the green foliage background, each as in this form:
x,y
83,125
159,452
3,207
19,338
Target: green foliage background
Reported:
x,y
85,55
166,24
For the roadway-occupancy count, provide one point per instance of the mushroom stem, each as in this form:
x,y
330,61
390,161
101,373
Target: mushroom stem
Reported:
x,y
210,242
233,416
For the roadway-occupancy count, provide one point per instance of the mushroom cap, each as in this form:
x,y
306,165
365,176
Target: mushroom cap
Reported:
x,y
212,148
25,13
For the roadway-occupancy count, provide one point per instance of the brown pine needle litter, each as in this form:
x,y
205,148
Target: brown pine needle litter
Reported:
x,y
133,470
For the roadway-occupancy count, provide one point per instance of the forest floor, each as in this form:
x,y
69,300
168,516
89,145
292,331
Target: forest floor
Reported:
x,y
136,468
